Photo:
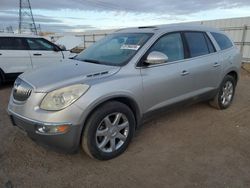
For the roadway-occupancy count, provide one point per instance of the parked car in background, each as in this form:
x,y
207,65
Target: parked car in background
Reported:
x,y
101,97
19,53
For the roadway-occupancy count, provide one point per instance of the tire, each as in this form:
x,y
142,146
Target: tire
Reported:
x,y
1,80
108,131
223,100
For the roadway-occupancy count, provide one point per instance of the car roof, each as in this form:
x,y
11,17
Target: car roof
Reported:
x,y
18,35
169,28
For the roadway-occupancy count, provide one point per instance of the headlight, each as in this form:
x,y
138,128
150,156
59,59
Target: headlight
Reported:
x,y
62,98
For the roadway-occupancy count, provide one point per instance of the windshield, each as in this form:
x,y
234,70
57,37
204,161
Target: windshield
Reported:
x,y
116,49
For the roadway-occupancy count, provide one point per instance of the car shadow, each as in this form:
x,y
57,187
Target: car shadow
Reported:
x,y
7,85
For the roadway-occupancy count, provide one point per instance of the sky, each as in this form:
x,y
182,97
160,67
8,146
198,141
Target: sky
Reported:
x,y
82,15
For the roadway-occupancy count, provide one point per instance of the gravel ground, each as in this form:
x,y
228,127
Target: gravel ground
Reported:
x,y
196,146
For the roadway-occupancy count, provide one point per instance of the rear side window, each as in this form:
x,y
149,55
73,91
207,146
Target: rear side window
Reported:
x,y
12,43
197,43
39,44
171,45
223,41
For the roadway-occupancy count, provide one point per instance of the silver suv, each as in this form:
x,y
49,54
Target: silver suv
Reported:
x,y
100,98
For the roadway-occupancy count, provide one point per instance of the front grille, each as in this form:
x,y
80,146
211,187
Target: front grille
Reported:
x,y
21,90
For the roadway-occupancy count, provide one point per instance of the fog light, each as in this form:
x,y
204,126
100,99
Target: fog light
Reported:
x,y
52,129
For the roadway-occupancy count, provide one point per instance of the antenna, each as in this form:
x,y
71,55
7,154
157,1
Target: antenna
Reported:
x,y
26,19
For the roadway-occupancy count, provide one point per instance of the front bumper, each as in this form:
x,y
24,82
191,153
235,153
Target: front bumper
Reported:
x,y
67,142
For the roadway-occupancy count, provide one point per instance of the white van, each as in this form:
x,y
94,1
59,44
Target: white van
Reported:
x,y
19,53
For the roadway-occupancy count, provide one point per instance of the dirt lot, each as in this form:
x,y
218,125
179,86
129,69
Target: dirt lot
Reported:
x,y
193,147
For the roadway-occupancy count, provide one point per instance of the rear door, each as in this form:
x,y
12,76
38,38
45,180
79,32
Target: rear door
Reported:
x,y
43,53
14,57
204,64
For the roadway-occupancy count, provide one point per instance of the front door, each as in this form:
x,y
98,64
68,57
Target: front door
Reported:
x,y
43,53
167,83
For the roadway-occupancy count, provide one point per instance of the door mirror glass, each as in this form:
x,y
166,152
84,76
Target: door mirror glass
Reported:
x,y
156,57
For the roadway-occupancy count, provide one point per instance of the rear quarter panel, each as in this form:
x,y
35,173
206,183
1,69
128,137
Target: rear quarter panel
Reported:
x,y
230,61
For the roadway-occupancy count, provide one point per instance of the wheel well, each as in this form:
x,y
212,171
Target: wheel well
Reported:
x,y
234,75
127,101
132,105
2,75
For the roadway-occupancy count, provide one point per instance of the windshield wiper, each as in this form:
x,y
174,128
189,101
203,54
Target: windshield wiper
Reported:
x,y
92,61
95,61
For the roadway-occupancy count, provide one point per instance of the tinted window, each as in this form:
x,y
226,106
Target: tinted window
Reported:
x,y
197,44
223,41
40,44
171,45
210,44
12,43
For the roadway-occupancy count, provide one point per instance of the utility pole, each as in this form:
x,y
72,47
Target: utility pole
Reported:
x,y
26,19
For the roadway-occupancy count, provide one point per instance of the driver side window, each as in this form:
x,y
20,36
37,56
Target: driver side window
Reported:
x,y
171,45
39,44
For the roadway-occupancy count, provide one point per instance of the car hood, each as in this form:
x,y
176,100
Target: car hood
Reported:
x,y
66,73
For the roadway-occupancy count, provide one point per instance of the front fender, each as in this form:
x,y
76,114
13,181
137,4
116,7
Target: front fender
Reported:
x,y
87,109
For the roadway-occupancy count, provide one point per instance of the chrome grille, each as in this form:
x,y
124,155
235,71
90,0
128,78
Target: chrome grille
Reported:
x,y
21,90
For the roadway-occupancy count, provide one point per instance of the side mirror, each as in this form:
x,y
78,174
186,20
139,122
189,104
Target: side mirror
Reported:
x,y
62,48
156,57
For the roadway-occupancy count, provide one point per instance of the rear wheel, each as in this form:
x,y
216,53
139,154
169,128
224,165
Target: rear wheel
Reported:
x,y
108,131
225,95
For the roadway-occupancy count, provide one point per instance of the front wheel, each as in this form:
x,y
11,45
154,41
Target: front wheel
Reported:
x,y
1,79
108,131
225,95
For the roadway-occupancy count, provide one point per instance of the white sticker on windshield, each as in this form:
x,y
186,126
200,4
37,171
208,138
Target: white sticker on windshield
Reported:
x,y
130,47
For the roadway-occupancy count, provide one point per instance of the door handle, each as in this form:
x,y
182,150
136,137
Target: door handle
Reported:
x,y
184,73
1,54
37,54
216,64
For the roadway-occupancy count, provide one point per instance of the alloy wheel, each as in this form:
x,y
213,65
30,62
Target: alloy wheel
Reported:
x,y
112,132
227,93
